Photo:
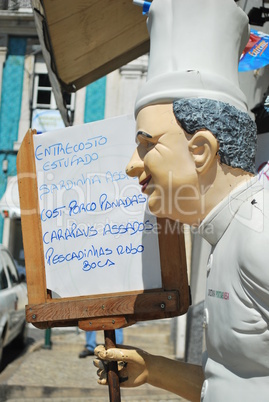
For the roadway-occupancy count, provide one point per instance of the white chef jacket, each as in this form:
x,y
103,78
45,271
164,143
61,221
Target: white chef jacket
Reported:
x,y
236,316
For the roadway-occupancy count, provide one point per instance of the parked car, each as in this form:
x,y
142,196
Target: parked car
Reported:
x,y
13,298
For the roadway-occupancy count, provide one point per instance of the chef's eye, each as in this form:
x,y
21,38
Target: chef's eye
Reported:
x,y
144,139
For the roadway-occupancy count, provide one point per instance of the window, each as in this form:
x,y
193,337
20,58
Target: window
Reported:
x,y
44,92
3,279
45,115
11,269
43,97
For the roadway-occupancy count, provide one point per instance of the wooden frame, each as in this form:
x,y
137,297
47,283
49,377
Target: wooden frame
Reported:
x,y
98,312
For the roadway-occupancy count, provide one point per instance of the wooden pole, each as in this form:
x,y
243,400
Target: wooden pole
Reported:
x,y
112,369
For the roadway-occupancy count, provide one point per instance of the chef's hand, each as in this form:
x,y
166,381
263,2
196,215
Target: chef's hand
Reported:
x,y
133,364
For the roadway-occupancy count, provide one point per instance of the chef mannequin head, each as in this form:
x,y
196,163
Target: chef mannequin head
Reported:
x,y
189,154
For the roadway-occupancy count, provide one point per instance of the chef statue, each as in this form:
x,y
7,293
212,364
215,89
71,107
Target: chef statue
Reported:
x,y
195,162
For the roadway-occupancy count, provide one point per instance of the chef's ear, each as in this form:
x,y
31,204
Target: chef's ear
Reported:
x,y
203,146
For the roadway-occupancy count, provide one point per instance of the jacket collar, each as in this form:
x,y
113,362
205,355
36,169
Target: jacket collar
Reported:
x,y
219,218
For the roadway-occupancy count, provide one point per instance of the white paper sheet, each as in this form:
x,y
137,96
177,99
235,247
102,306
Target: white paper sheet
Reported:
x,y
98,235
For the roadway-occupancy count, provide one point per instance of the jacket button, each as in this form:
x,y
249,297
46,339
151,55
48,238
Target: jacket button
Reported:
x,y
204,389
209,263
205,318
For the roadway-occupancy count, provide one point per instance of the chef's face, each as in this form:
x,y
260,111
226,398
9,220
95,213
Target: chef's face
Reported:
x,y
164,165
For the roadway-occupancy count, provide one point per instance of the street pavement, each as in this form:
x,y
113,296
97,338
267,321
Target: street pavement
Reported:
x,y
58,375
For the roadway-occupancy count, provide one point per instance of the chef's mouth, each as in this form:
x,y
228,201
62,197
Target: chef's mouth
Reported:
x,y
144,183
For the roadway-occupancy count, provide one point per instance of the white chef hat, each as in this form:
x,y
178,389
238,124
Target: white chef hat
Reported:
x,y
195,46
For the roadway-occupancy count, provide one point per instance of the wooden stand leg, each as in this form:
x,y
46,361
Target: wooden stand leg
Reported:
x,y
112,372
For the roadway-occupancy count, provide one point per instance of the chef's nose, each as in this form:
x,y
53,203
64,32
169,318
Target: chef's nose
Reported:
x,y
136,165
